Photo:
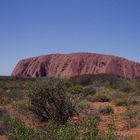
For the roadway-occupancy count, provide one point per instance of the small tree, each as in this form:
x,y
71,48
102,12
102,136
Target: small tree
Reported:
x,y
50,101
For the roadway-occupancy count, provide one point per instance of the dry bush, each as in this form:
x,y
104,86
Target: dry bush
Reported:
x,y
50,101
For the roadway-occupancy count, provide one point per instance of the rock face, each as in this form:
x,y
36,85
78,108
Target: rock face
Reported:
x,y
69,65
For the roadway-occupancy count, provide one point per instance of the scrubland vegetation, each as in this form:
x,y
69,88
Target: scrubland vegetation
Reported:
x,y
88,107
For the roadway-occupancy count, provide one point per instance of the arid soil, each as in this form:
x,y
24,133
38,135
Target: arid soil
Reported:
x,y
120,122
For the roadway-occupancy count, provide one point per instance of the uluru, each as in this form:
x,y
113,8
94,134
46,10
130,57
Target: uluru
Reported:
x,y
74,64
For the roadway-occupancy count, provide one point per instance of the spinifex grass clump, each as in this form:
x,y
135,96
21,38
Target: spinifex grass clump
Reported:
x,y
100,98
106,110
132,117
75,90
121,102
50,101
67,131
91,128
88,90
17,129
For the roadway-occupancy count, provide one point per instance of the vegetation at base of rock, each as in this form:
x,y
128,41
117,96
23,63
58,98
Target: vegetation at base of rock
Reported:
x,y
96,80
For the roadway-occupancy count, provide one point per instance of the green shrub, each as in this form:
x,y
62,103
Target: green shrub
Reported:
x,y
117,84
97,80
70,131
111,132
15,94
23,105
126,88
93,133
123,86
99,98
121,102
137,84
50,101
132,116
91,128
2,113
83,80
5,100
17,129
132,113
83,106
75,89
88,90
61,132
106,110
134,100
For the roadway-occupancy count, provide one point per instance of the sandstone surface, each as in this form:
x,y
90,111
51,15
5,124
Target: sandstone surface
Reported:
x,y
69,65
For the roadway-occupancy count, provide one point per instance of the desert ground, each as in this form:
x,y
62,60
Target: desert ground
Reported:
x,y
105,108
